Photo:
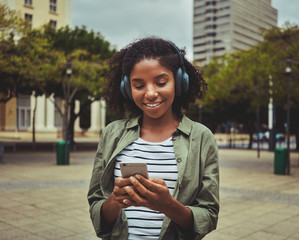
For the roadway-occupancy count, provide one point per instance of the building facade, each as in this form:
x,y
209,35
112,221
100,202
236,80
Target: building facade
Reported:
x,y
40,12
225,26
16,115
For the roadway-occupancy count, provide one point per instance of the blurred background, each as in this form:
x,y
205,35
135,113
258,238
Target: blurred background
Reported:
x,y
53,60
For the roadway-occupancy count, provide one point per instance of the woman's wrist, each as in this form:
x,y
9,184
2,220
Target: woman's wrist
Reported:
x,y
110,211
180,214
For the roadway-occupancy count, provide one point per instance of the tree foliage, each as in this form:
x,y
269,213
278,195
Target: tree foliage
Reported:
x,y
34,61
11,55
88,52
239,82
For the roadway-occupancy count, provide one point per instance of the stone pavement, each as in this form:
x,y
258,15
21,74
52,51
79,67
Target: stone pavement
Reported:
x,y
41,201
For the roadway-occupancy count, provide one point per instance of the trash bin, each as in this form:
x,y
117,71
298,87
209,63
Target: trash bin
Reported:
x,y
280,160
60,153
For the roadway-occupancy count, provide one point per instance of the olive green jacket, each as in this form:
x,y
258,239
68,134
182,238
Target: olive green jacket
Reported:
x,y
197,185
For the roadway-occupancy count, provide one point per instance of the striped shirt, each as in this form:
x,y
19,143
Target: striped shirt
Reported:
x,y
143,222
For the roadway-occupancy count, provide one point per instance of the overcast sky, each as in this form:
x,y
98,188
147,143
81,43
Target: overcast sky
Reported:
x,y
122,21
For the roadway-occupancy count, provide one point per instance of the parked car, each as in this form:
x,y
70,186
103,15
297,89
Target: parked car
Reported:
x,y
265,136
260,136
280,137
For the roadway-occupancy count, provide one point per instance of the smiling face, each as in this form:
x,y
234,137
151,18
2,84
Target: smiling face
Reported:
x,y
153,89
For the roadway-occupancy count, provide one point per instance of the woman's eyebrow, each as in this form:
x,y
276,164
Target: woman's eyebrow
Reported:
x,y
137,80
161,76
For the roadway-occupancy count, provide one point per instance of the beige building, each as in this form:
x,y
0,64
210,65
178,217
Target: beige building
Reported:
x,y
40,12
16,115
224,26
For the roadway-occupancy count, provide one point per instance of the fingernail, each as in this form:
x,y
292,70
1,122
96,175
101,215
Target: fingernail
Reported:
x,y
125,201
138,176
132,179
128,189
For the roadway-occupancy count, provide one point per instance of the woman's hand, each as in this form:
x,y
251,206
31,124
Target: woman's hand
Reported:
x,y
119,194
117,200
154,194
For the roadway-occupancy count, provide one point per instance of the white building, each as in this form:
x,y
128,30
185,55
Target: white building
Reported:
x,y
224,26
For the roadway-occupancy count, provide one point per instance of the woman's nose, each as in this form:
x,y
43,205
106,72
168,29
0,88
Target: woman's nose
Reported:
x,y
151,93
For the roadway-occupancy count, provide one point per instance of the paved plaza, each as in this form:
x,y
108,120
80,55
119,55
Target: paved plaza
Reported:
x,y
41,200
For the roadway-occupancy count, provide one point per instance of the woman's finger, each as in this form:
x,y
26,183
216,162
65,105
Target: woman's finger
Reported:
x,y
136,197
152,184
121,182
147,190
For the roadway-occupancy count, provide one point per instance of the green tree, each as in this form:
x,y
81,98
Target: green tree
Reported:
x,y
237,88
12,27
88,52
282,45
239,82
35,61
39,66
26,62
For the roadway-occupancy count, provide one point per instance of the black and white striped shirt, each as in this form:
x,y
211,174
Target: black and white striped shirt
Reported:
x,y
143,222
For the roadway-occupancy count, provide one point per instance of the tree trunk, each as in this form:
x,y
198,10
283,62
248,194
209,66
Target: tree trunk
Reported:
x,y
73,117
250,140
297,139
65,121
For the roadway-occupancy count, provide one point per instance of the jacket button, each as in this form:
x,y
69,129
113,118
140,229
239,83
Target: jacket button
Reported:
x,y
179,160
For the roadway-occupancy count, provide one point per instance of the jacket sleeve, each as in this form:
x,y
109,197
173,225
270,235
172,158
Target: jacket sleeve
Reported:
x,y
206,208
95,194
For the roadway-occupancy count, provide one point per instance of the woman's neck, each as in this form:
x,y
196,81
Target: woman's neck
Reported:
x,y
157,130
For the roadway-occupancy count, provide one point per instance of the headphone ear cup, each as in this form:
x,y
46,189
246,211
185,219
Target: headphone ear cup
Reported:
x,y
127,87
185,82
178,82
123,89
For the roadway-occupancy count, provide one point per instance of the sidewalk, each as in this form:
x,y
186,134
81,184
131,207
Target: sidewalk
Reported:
x,y
43,201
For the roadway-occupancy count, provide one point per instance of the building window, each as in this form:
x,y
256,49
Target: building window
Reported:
x,y
218,49
28,2
200,44
28,17
201,52
211,34
23,112
53,23
53,5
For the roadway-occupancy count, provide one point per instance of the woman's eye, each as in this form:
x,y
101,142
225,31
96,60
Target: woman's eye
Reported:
x,y
162,84
139,87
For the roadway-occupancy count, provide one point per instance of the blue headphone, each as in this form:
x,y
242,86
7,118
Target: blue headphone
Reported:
x,y
181,79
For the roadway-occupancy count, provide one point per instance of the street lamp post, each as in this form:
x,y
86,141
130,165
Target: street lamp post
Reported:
x,y
271,120
288,72
68,73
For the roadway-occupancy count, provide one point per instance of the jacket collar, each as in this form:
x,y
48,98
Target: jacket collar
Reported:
x,y
185,126
133,122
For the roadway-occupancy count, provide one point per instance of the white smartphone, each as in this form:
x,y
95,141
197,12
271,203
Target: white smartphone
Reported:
x,y
130,169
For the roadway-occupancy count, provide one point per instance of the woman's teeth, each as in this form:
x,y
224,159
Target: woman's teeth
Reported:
x,y
152,105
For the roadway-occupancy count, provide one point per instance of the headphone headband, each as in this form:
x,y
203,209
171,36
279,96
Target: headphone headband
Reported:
x,y
178,52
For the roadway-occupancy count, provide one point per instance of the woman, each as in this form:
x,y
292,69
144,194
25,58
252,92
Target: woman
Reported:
x,y
152,79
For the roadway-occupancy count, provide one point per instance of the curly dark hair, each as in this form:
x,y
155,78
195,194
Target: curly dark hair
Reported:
x,y
123,62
